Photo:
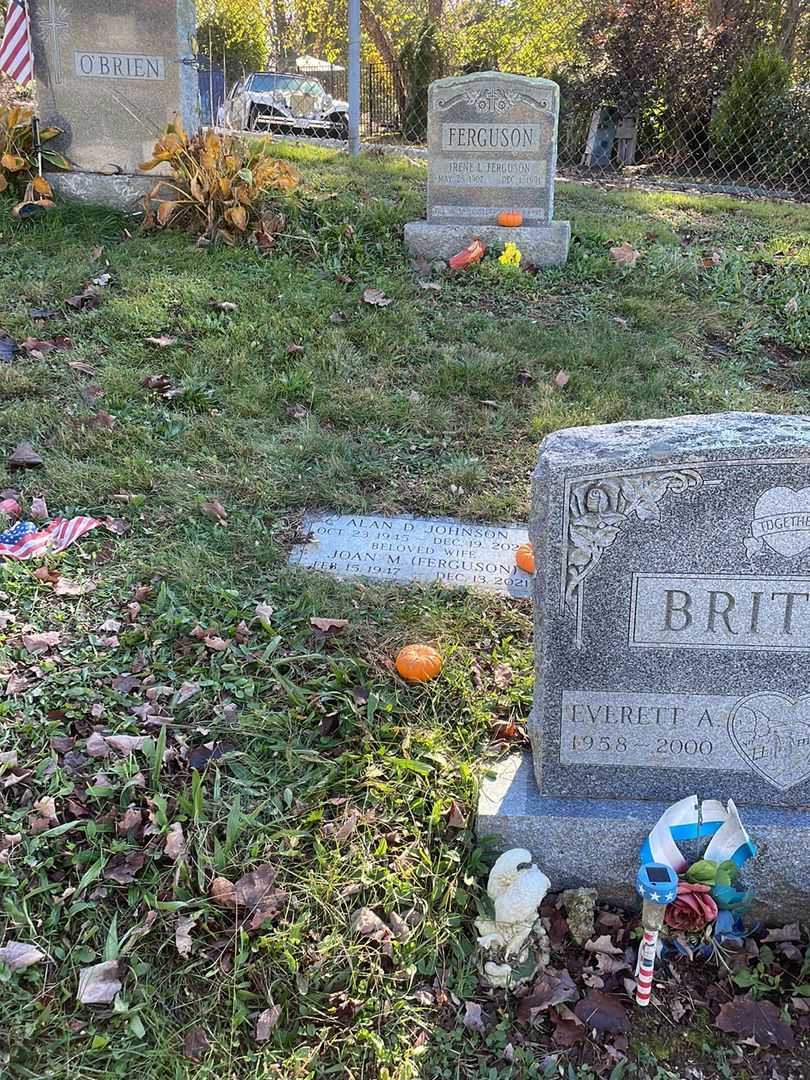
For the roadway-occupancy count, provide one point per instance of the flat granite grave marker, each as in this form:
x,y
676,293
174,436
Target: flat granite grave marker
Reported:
x,y
672,640
492,147
113,75
406,549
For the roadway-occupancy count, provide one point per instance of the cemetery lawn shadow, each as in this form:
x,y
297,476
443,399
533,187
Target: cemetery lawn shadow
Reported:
x,y
270,741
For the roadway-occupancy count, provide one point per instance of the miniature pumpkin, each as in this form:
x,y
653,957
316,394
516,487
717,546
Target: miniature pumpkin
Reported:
x,y
510,219
418,663
524,557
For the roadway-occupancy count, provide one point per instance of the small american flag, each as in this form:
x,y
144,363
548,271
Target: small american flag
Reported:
x,y
25,541
16,55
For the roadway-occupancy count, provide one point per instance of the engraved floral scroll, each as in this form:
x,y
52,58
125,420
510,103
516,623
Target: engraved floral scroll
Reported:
x,y
597,510
493,99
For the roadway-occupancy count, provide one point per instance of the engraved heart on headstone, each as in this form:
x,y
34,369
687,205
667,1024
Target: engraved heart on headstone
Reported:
x,y
782,520
771,732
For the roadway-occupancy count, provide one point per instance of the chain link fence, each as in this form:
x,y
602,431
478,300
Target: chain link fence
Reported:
x,y
713,92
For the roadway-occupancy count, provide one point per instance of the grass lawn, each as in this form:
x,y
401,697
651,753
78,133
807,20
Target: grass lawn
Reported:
x,y
289,747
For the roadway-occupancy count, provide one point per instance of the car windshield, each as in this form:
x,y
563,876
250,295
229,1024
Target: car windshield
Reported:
x,y
263,83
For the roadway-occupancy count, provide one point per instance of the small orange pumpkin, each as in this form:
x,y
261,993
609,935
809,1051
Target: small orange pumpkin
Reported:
x,y
510,219
524,557
418,663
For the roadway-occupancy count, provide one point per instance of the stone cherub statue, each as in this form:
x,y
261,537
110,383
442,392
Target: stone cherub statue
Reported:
x,y
514,940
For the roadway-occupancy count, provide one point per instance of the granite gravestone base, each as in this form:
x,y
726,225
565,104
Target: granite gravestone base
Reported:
x,y
112,76
672,633
492,147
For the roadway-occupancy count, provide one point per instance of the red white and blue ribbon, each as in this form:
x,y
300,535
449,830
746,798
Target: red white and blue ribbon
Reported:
x,y
691,819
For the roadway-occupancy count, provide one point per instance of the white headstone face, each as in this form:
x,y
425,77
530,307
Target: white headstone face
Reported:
x,y
492,144
113,74
409,549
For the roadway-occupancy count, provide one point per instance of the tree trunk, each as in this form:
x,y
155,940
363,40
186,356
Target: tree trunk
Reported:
x,y
789,25
385,48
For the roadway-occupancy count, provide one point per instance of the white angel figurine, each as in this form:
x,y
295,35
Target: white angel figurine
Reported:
x,y
517,888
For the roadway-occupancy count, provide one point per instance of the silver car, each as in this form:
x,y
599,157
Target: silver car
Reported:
x,y
271,100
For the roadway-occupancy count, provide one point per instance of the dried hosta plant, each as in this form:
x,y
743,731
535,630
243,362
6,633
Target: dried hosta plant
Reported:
x,y
18,158
221,187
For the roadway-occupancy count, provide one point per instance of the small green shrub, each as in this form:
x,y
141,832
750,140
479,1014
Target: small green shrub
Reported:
x,y
759,124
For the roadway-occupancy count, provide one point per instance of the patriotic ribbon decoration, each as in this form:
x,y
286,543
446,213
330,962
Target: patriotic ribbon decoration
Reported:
x,y
25,540
16,54
691,819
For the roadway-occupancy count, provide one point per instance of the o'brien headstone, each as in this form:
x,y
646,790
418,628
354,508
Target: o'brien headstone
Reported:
x,y
672,646
113,74
406,549
492,147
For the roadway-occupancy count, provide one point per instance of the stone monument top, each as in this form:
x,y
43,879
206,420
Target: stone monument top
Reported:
x,y
492,149
113,75
672,641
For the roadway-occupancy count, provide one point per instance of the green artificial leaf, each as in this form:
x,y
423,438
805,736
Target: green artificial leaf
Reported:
x,y
727,872
702,872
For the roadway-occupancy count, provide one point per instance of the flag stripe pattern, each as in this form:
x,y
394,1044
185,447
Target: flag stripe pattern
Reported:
x,y
16,55
25,541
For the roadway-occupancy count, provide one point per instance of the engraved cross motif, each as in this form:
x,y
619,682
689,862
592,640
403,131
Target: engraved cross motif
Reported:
x,y
53,25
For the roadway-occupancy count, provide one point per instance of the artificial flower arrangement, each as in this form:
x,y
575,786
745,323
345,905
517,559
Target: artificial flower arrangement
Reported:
x,y
511,255
708,909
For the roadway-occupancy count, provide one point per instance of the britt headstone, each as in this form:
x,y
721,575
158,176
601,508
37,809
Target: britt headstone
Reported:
x,y
492,147
672,609
113,75
405,549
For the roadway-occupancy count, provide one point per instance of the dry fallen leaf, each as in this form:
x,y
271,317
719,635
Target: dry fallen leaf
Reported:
x,y
376,297
175,846
187,691
99,984
473,1018
758,1021
131,819
215,643
223,892
182,935
792,305
195,1044
624,254
163,384
456,818
124,868
215,510
266,1021
24,457
19,955
63,587
602,944
38,510
328,626
40,643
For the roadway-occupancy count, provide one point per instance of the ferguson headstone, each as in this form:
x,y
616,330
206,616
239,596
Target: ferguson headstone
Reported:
x,y
492,148
112,75
672,608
